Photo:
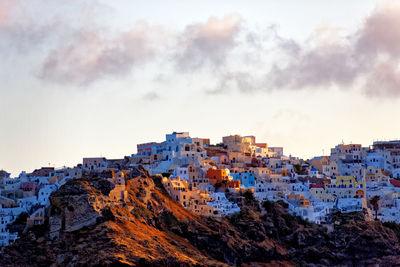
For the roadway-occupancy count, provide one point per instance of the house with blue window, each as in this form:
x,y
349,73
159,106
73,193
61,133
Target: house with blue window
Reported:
x,y
247,179
344,187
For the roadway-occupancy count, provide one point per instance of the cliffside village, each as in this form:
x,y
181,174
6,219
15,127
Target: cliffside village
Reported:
x,y
212,180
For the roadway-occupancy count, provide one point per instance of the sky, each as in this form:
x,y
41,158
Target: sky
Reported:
x,y
95,78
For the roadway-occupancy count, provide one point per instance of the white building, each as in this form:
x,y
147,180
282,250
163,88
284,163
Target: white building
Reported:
x,y
222,205
44,194
181,172
265,191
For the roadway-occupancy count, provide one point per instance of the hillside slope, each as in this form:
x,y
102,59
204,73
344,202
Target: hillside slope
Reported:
x,y
85,227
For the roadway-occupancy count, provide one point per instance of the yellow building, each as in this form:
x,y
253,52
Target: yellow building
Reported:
x,y
333,169
343,187
344,182
300,200
197,176
318,163
191,197
240,144
178,190
199,202
237,157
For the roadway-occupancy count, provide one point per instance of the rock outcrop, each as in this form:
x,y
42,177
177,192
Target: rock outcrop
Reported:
x,y
87,227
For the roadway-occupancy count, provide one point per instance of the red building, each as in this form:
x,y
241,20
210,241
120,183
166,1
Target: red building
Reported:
x,y
395,183
145,149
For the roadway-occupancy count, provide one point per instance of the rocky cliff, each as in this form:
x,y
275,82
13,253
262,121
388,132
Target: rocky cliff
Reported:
x,y
86,226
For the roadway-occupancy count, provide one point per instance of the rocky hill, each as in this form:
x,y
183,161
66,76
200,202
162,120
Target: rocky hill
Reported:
x,y
86,227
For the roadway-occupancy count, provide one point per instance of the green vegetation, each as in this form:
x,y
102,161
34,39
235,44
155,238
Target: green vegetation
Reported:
x,y
374,201
299,169
248,196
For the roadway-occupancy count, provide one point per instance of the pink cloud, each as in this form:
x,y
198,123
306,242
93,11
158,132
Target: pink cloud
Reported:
x,y
328,59
93,55
208,43
384,80
82,53
380,32
7,10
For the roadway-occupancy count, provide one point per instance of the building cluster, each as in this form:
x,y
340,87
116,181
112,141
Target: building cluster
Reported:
x,y
29,194
343,181
214,179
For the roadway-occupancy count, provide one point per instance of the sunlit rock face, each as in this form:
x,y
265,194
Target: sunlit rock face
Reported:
x,y
76,209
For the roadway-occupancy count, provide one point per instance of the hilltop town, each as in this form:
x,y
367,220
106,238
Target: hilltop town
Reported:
x,y
214,180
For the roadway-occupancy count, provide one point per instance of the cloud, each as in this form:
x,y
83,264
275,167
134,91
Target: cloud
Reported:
x,y
68,44
380,32
207,43
73,48
151,96
243,81
384,81
12,13
289,46
328,59
20,30
93,55
319,66
6,7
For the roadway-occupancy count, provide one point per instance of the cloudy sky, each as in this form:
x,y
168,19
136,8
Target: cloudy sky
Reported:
x,y
94,78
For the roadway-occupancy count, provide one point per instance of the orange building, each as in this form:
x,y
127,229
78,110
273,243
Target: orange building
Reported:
x,y
222,177
359,194
217,175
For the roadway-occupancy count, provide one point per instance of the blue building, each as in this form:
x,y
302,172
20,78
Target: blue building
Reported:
x,y
247,180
